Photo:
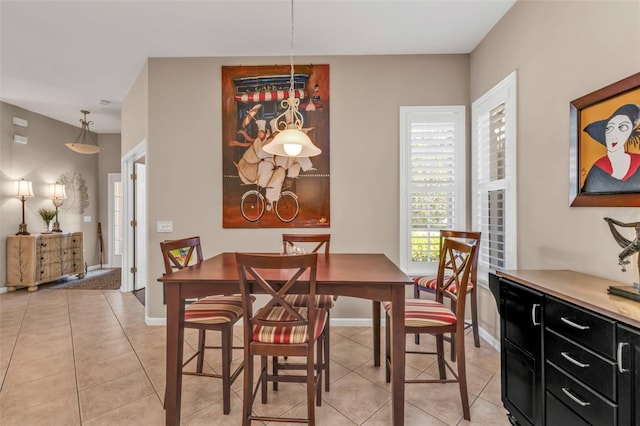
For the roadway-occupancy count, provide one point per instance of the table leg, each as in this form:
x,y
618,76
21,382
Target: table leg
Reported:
x,y
376,333
398,347
175,343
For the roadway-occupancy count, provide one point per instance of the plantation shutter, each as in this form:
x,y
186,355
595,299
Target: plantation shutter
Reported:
x,y
435,176
494,207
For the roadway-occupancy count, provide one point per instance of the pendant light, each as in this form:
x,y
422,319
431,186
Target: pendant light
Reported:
x,y
291,140
86,142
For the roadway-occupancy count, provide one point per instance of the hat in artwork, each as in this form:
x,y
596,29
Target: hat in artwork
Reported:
x,y
262,125
597,129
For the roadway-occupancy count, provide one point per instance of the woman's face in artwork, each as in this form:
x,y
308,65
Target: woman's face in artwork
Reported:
x,y
617,132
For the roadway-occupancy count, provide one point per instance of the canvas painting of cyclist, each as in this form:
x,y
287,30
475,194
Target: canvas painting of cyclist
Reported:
x,y
261,190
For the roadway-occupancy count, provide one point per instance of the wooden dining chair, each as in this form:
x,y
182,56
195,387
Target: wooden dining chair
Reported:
x,y
279,328
216,313
428,284
434,317
323,301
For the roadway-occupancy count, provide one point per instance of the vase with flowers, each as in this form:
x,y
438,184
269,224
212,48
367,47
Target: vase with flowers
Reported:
x,y
47,216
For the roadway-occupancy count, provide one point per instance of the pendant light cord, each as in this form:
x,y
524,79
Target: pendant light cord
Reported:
x,y
291,82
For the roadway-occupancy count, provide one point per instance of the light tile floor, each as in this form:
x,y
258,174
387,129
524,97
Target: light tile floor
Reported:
x,y
86,357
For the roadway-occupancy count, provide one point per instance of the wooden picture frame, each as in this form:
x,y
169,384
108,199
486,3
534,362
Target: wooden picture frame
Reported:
x,y
598,176
264,191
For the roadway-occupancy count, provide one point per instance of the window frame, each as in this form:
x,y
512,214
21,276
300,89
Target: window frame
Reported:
x,y
503,92
458,113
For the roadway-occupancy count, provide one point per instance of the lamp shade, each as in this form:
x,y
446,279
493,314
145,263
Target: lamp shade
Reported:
x,y
57,191
23,188
292,143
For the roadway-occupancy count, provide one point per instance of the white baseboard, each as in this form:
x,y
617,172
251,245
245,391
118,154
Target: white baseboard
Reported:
x,y
3,290
153,321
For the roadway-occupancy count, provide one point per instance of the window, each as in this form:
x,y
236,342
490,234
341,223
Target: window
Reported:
x,y
494,176
432,182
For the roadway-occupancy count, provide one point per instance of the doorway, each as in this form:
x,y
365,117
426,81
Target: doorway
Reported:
x,y
134,196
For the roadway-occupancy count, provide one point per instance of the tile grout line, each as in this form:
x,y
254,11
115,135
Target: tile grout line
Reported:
x,y
24,314
73,351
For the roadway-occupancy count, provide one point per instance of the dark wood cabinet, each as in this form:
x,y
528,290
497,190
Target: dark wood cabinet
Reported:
x,y
570,352
521,352
628,349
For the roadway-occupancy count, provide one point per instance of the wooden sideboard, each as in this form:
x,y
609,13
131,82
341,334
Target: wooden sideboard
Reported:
x,y
570,352
41,258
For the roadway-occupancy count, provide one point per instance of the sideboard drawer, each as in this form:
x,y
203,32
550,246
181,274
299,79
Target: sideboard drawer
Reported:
x,y
580,399
587,328
594,370
560,414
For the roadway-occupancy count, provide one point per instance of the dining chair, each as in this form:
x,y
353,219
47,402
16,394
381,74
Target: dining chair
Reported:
x,y
434,317
323,301
216,313
428,284
279,328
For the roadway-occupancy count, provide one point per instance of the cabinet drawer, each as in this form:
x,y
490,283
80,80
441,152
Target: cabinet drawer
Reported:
x,y
587,328
594,370
560,414
583,401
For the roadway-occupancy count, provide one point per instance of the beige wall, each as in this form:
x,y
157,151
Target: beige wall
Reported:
x,y
135,112
184,142
561,51
43,160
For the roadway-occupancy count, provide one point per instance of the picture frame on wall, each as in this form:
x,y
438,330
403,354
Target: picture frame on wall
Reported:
x,y
604,148
261,190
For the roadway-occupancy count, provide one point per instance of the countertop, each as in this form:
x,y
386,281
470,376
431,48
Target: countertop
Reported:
x,y
587,291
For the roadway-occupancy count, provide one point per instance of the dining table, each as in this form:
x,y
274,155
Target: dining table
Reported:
x,y
369,276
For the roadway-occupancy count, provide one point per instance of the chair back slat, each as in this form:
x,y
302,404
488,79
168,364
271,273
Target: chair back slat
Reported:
x,y
178,254
471,237
456,263
276,275
320,239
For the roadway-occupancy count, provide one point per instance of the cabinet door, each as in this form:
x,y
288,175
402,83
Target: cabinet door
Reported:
x,y
628,376
521,354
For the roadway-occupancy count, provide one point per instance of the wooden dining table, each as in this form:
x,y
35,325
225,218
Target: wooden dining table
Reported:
x,y
366,276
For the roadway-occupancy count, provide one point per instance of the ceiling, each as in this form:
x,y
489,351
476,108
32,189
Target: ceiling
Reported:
x,y
58,57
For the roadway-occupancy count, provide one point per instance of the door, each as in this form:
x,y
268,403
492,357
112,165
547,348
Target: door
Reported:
x,y
140,241
628,376
115,230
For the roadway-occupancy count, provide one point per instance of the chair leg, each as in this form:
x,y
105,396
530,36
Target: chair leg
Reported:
x,y
247,397
274,370
474,318
387,347
263,384
201,341
462,375
327,347
320,366
440,352
416,295
227,343
311,387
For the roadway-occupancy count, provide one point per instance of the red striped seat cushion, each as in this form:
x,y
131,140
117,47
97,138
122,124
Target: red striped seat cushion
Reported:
x,y
284,334
429,284
323,301
424,313
214,310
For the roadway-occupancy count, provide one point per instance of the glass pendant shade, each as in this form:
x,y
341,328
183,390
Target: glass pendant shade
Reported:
x,y
292,143
85,143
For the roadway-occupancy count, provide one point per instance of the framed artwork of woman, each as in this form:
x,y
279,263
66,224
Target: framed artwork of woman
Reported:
x,y
605,146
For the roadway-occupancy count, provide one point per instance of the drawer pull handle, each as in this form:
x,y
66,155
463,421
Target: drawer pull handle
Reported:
x,y
575,398
533,313
574,361
573,324
620,367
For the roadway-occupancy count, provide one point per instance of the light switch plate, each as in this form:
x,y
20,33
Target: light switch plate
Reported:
x,y
87,219
164,226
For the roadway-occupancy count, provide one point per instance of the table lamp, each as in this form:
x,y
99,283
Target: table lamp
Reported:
x,y
57,195
24,189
